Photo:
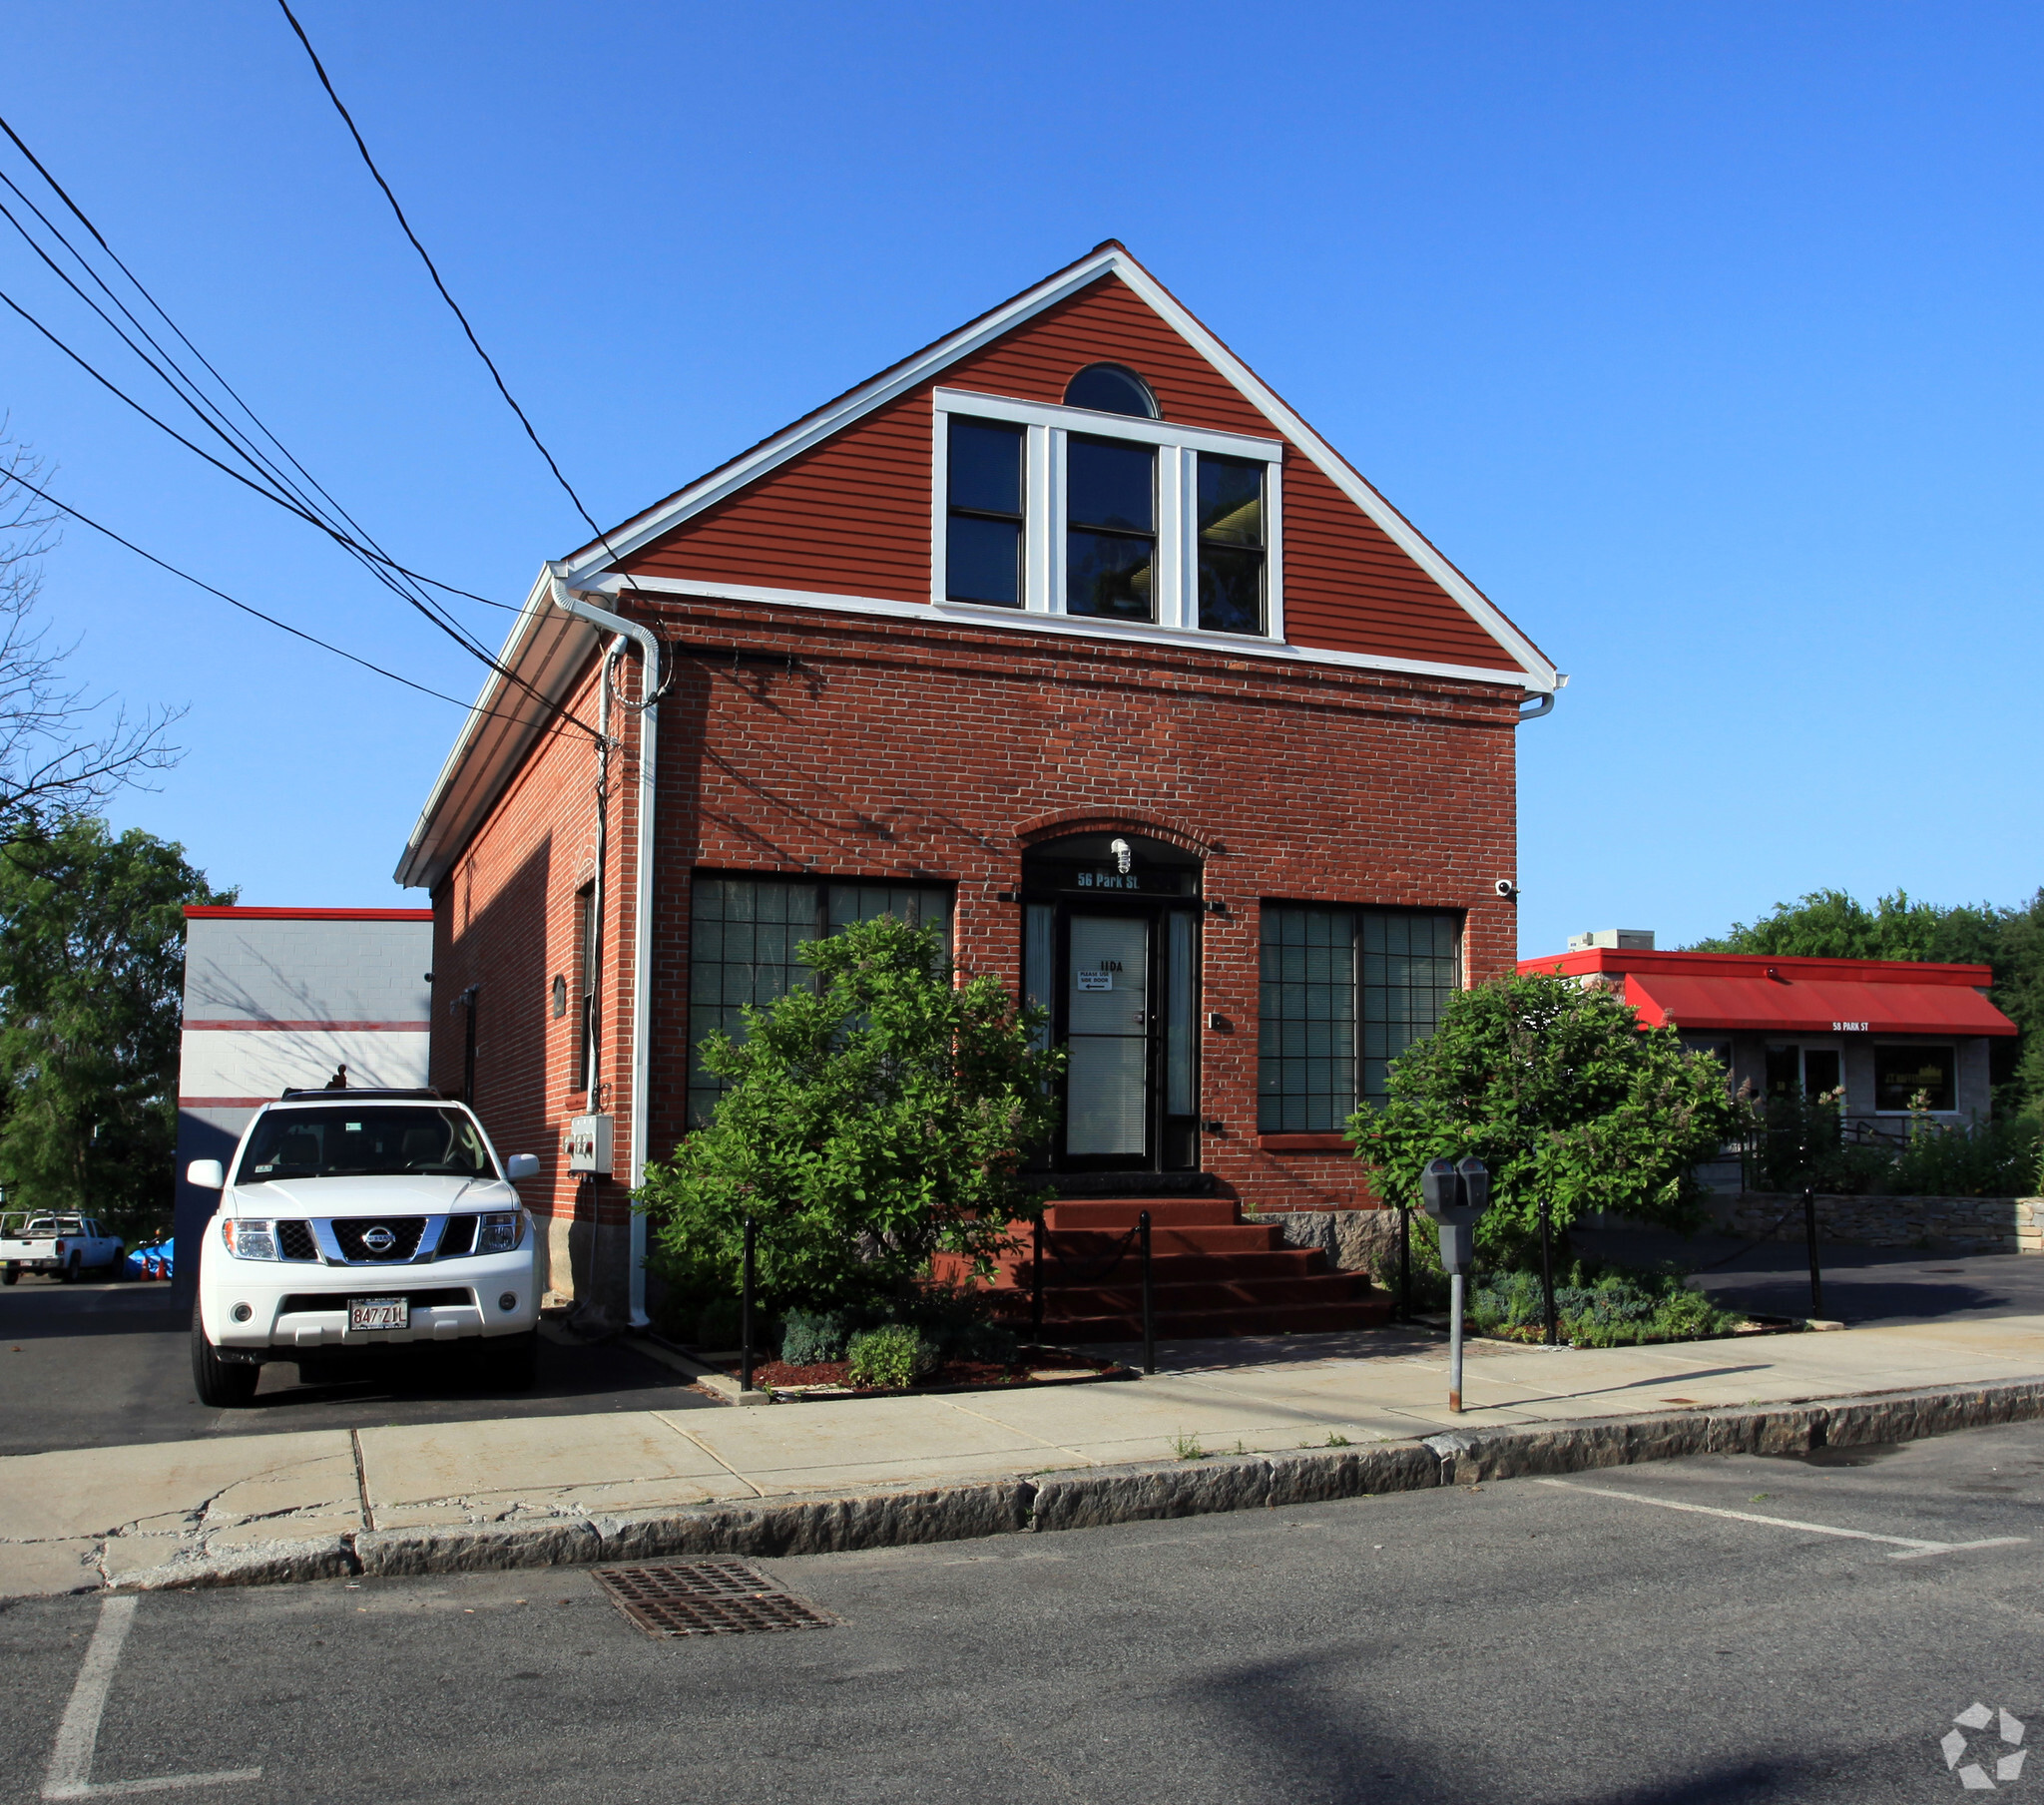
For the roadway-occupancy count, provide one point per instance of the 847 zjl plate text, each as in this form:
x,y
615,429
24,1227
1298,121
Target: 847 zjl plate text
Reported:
x,y
378,1313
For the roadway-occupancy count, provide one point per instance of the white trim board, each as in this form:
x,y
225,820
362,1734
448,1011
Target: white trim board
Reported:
x,y
1015,619
1110,260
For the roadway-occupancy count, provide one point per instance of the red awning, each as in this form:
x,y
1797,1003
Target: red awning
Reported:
x,y
1812,1005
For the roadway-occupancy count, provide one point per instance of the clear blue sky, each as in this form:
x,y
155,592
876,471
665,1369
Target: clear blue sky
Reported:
x,y
1705,339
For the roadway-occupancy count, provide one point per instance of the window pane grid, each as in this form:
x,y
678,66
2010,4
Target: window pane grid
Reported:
x,y
744,936
1344,991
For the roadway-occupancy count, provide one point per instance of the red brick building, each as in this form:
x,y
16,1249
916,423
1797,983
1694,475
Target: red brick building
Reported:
x,y
1065,631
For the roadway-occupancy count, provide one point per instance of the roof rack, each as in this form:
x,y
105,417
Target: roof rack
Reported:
x,y
425,1093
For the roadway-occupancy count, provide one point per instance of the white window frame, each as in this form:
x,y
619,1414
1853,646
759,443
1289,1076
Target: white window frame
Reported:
x,y
1048,429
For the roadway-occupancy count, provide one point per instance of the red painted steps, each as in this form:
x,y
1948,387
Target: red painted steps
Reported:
x,y
1211,1274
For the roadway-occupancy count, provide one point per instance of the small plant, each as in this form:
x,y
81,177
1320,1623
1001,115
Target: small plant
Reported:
x,y
1336,1440
814,1338
891,1357
1187,1447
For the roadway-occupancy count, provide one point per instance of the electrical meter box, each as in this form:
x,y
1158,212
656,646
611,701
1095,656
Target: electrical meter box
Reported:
x,y
589,1144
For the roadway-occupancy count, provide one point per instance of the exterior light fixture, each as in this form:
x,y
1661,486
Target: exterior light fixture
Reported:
x,y
1124,855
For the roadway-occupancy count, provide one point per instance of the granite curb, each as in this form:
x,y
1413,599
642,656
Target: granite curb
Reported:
x,y
1094,1497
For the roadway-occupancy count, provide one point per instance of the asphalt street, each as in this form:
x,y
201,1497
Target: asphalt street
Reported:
x,y
87,1366
1518,1642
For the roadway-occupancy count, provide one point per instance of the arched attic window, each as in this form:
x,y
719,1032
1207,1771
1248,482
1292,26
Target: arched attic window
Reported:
x,y
1107,388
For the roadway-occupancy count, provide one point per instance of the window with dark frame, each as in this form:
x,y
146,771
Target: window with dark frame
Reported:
x,y
744,937
1110,388
1902,1074
1231,545
984,544
1344,991
1110,529
585,987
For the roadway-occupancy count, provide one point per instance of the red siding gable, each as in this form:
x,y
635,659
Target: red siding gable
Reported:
x,y
852,516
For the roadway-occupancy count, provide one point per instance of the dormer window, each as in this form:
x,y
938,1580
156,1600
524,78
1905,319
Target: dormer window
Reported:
x,y
1107,388
1121,521
983,536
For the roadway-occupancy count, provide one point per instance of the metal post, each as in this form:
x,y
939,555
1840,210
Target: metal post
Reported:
x,y
1817,1278
1149,1297
1405,1262
746,1315
1547,1275
1455,1342
1036,1286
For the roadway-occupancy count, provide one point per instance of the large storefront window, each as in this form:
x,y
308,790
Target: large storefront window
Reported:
x,y
1344,991
742,949
1904,1073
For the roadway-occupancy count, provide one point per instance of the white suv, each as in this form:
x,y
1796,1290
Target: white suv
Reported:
x,y
356,1221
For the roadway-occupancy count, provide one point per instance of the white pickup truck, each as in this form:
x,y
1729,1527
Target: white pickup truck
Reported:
x,y
70,1246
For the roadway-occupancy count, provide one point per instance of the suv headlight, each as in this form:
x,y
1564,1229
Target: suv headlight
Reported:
x,y
502,1230
248,1239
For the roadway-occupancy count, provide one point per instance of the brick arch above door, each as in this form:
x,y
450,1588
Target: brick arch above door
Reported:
x,y
1066,823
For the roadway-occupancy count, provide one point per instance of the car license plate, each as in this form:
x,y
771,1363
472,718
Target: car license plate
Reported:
x,y
379,1312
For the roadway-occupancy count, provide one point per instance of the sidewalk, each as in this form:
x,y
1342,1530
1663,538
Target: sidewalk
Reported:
x,y
534,1489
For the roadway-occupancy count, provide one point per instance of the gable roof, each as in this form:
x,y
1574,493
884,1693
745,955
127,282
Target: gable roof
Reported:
x,y
605,557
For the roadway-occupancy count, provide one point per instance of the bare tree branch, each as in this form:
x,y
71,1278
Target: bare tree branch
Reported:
x,y
61,752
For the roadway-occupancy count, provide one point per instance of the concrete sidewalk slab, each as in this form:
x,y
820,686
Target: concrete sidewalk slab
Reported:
x,y
455,1473
1311,1417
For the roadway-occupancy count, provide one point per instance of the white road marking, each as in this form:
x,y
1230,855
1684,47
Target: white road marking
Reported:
x,y
70,1759
1911,1547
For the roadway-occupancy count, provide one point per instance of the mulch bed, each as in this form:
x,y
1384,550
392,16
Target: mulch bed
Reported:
x,y
834,1376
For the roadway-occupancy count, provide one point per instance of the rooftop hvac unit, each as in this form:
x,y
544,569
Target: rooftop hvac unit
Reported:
x,y
1622,940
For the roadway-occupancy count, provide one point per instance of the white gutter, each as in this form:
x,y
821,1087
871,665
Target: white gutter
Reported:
x,y
578,603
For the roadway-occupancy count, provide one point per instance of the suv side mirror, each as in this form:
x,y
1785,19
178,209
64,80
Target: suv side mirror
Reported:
x,y
521,1165
205,1174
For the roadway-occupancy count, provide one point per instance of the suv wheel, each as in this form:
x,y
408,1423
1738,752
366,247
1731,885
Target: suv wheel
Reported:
x,y
221,1385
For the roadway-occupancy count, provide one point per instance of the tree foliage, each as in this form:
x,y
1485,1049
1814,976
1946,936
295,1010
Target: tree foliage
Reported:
x,y
1563,1096
92,967
869,1123
1828,924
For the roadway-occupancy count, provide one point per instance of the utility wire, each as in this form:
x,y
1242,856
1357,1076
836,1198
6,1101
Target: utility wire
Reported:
x,y
158,309
348,119
199,583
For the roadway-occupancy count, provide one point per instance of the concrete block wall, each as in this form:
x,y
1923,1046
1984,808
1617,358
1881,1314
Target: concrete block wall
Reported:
x,y
1984,1224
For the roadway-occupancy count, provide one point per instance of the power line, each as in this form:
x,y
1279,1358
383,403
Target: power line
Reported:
x,y
348,119
298,632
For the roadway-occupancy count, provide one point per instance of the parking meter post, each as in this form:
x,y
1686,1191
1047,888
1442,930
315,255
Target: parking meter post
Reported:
x,y
1036,1284
1817,1278
1455,1342
1547,1275
1149,1297
745,1314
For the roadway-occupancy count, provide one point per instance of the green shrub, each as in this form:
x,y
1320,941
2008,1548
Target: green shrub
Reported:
x,y
1598,1306
1429,1276
892,1356
1971,1159
814,1338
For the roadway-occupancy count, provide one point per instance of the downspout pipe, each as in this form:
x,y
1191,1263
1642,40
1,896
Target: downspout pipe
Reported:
x,y
582,606
1544,704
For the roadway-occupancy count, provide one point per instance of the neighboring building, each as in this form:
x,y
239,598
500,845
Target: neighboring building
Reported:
x,y
1886,1030
277,998
1065,632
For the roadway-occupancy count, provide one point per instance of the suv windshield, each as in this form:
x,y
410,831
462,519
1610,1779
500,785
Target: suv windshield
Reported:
x,y
342,1142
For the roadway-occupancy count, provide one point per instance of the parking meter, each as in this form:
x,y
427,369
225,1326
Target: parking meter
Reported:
x,y
1455,1194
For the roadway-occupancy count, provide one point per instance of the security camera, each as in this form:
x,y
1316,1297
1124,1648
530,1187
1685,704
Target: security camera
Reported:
x,y
1507,889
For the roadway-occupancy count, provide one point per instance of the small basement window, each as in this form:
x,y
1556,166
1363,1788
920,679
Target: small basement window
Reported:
x,y
1902,1074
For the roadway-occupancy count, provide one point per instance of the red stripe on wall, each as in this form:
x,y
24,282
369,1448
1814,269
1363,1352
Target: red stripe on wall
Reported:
x,y
208,912
227,1027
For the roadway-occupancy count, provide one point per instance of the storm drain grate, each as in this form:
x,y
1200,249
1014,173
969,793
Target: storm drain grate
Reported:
x,y
706,1597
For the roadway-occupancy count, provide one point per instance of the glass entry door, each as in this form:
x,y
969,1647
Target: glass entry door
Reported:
x,y
1108,1025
